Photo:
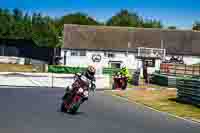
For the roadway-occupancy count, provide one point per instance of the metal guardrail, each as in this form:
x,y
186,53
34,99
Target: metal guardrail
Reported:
x,y
188,90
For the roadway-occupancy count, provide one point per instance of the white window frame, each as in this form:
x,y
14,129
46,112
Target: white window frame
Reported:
x,y
106,54
74,53
78,53
82,53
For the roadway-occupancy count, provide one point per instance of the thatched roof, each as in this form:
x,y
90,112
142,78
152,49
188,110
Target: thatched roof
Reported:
x,y
183,42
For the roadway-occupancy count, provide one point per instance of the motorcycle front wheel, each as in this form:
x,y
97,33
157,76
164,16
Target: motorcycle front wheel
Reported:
x,y
74,108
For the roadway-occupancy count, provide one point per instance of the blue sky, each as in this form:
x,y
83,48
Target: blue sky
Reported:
x,y
181,13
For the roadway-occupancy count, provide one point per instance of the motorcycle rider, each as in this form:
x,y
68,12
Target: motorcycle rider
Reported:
x,y
89,74
124,71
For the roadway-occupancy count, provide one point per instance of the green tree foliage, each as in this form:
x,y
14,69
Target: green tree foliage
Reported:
x,y
78,18
124,18
132,19
149,23
44,30
75,18
6,22
172,27
196,26
47,31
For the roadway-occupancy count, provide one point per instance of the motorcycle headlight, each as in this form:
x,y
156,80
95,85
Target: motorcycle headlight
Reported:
x,y
86,93
80,90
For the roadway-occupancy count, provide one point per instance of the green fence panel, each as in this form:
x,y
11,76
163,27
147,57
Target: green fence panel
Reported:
x,y
64,69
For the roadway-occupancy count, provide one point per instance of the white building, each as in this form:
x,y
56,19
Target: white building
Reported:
x,y
112,46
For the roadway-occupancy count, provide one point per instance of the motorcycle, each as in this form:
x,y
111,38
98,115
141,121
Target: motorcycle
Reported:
x,y
120,82
80,92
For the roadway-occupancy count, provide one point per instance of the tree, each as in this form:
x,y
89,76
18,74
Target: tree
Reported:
x,y
157,24
149,23
172,27
196,25
132,19
124,18
6,22
47,31
78,18
17,14
74,18
43,31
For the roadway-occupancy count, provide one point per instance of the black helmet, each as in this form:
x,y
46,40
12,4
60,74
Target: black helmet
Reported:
x,y
90,72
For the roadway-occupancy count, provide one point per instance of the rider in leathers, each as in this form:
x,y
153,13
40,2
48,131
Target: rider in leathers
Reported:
x,y
89,73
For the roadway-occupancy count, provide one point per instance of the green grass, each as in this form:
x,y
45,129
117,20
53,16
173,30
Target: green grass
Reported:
x,y
162,100
20,68
15,68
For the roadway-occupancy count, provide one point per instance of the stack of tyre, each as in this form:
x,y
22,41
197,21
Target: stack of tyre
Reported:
x,y
136,77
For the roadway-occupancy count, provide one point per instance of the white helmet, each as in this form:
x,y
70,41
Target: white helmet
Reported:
x,y
123,66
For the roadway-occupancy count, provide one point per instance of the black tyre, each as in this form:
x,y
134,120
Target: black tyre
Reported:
x,y
62,108
113,86
74,109
124,85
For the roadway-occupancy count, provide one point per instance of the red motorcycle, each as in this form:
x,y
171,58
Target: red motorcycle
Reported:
x,y
120,82
80,91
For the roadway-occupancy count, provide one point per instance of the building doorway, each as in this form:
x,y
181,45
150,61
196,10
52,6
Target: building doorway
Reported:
x,y
115,64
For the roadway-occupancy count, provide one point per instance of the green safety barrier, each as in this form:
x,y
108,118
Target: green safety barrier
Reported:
x,y
65,69
72,70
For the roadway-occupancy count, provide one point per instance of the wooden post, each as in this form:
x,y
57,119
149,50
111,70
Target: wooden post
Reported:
x,y
168,69
175,69
185,70
52,80
192,70
199,69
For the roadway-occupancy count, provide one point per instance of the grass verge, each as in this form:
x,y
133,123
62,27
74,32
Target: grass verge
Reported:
x,y
15,68
162,100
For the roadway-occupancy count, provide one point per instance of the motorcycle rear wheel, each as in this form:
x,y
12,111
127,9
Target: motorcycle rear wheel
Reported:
x,y
124,85
62,108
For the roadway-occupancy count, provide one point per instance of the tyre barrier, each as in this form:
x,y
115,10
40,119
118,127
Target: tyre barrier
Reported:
x,y
166,80
159,79
188,90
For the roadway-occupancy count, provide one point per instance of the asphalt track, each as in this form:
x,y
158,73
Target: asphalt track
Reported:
x,y
36,110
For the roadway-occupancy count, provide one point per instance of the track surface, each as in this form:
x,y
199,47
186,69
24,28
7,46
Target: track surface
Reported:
x,y
36,110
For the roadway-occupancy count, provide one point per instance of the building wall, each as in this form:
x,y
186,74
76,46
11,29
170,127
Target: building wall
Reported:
x,y
128,60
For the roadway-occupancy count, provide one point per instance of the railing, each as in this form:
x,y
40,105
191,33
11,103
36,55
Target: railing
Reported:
x,y
180,69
